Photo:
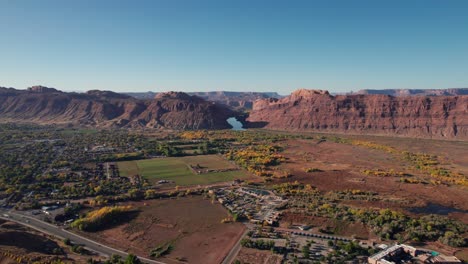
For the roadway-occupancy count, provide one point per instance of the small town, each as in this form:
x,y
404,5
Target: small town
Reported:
x,y
262,211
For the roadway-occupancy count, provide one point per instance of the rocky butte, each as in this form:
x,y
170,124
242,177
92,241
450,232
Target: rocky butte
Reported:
x,y
443,117
108,109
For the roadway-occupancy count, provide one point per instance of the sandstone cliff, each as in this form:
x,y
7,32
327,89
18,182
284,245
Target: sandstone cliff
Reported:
x,y
108,109
417,92
444,117
235,100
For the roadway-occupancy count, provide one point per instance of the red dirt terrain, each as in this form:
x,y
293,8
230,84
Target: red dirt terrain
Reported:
x,y
192,224
250,255
342,168
17,241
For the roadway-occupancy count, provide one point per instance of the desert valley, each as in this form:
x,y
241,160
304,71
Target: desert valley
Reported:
x,y
233,132
311,177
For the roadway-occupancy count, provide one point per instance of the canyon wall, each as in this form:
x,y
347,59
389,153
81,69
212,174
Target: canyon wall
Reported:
x,y
95,108
444,117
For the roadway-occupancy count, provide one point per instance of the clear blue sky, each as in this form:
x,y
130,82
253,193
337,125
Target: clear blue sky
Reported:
x,y
238,45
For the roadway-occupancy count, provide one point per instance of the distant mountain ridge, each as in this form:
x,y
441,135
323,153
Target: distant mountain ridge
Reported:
x,y
436,116
235,100
416,92
96,108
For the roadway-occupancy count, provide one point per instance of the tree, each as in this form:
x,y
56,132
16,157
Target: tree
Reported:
x,y
452,239
132,259
150,194
235,217
135,194
115,259
306,251
78,249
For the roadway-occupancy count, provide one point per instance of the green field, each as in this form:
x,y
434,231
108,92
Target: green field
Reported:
x,y
177,170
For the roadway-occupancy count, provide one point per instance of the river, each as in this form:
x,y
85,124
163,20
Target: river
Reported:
x,y
236,124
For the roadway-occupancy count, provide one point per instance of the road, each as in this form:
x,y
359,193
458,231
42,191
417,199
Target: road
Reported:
x,y
235,249
62,234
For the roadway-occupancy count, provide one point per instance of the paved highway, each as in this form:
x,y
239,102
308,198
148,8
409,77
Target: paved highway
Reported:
x,y
62,233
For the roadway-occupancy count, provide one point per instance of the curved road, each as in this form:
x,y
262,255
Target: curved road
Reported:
x,y
62,233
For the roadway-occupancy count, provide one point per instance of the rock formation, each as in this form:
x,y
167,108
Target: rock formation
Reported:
x,y
444,117
235,100
108,109
417,92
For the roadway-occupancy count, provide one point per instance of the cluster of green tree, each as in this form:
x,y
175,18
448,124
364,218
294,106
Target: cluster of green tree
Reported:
x,y
116,259
122,156
135,194
258,244
90,188
162,148
393,225
19,166
12,133
352,194
453,240
69,212
177,148
386,223
243,137
78,249
345,252
306,251
38,161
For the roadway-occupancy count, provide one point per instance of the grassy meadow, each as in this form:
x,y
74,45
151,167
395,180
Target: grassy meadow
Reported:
x,y
177,169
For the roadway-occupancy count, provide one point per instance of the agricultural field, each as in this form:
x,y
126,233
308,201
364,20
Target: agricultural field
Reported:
x,y
177,169
190,226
